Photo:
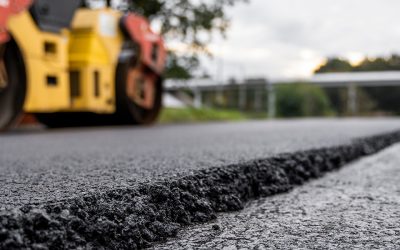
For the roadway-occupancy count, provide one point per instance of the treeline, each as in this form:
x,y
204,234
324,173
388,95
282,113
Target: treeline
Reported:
x,y
337,64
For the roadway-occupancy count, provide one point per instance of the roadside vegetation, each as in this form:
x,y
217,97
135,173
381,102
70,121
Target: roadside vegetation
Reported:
x,y
194,23
337,64
302,100
293,101
190,115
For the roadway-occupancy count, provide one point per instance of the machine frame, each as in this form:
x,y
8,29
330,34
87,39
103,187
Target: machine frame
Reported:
x,y
82,66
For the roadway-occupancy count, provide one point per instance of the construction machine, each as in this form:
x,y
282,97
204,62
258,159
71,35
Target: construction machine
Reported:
x,y
78,63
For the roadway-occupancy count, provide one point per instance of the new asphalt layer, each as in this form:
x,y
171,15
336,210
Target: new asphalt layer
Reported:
x,y
355,208
126,188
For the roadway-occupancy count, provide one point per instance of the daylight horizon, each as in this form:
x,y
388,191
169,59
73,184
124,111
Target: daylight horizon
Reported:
x,y
290,38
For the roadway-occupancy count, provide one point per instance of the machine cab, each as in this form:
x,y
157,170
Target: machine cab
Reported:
x,y
52,15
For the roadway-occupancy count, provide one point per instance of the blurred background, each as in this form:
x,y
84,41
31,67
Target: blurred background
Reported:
x,y
258,59
283,59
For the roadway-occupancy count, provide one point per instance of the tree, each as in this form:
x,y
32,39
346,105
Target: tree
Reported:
x,y
181,67
379,64
302,100
190,21
187,20
335,64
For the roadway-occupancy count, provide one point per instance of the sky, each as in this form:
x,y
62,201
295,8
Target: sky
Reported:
x,y
290,38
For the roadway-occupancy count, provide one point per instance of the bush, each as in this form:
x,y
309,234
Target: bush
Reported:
x,y
302,100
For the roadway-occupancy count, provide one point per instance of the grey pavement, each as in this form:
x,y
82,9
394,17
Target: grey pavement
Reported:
x,y
47,166
355,208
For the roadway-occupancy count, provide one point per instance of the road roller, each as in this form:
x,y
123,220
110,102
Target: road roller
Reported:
x,y
78,63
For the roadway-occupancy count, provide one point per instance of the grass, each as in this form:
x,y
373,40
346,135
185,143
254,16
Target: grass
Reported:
x,y
191,115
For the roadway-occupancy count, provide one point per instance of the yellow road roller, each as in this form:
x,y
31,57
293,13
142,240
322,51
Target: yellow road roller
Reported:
x,y
77,63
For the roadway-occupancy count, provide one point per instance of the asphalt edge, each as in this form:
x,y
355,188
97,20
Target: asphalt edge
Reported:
x,y
138,217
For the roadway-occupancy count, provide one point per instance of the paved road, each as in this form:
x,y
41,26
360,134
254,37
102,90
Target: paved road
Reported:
x,y
40,166
355,208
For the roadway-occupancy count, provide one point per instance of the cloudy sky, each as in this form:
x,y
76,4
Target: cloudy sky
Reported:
x,y
289,38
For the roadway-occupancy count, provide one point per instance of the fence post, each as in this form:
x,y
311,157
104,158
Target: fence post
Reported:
x,y
242,96
271,100
198,98
258,98
352,99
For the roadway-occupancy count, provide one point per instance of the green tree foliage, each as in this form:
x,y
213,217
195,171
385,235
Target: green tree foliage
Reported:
x,y
302,100
335,65
366,103
189,21
368,64
379,64
386,99
181,67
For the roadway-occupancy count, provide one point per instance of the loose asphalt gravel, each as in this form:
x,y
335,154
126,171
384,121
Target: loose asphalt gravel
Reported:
x,y
126,188
355,208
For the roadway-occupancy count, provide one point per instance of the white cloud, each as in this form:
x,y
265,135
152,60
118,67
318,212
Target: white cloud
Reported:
x,y
281,38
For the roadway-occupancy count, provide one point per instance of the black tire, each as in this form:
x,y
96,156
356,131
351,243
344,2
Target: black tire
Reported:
x,y
128,112
12,97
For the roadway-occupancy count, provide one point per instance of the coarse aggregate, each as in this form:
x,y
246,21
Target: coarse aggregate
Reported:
x,y
354,208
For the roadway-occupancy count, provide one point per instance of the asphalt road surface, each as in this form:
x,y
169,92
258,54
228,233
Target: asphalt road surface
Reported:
x,y
128,188
355,208
42,166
